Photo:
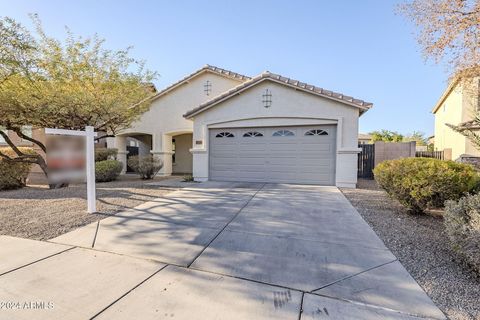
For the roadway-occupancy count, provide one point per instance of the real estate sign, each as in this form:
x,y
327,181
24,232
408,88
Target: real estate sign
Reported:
x,y
70,155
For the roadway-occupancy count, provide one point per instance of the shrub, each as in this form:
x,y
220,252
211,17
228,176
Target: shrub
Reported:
x,y
102,154
146,166
462,223
107,170
188,178
421,183
13,175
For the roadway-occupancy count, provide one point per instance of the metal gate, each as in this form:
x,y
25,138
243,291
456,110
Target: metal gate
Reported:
x,y
366,161
132,151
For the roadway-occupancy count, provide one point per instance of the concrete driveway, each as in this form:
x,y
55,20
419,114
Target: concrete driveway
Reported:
x,y
216,251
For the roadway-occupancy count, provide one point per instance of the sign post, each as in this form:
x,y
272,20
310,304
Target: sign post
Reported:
x,y
89,135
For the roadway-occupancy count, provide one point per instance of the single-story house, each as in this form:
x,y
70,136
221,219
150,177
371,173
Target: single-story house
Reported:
x,y
224,126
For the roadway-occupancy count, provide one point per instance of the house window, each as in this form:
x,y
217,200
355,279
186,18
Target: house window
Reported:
x,y
316,132
224,135
444,107
253,134
283,133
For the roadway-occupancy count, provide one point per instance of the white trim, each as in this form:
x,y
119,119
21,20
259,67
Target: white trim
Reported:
x,y
192,113
198,150
275,122
349,151
69,132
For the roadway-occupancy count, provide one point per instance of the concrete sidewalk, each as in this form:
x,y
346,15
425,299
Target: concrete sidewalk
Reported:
x,y
216,251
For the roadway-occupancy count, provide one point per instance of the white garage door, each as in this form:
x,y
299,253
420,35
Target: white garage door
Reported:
x,y
279,154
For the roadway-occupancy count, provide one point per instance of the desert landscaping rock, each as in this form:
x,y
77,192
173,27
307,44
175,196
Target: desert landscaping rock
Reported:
x,y
421,245
38,213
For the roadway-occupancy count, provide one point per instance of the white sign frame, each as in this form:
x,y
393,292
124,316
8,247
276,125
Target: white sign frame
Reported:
x,y
89,135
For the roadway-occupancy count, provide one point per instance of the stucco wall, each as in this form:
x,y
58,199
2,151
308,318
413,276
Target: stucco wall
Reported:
x,y
289,107
393,150
457,107
165,118
166,112
183,157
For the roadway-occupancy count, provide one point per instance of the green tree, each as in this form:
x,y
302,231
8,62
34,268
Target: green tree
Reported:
x,y
418,137
71,84
449,31
386,136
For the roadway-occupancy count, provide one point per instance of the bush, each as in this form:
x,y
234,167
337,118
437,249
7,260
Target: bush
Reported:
x,y
102,154
146,166
421,183
462,222
13,175
107,170
188,178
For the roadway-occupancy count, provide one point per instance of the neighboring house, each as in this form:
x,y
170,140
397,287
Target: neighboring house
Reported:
x,y
364,138
220,125
456,106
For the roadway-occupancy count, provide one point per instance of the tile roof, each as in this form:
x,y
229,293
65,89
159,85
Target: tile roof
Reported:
x,y
206,68
340,97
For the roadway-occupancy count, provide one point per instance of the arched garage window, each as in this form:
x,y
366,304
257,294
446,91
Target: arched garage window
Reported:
x,y
316,132
283,133
253,134
224,135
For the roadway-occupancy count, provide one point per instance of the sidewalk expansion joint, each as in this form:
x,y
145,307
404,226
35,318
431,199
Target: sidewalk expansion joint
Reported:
x,y
126,293
226,225
33,262
353,275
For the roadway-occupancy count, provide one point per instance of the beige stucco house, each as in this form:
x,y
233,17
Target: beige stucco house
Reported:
x,y
457,105
221,125
364,138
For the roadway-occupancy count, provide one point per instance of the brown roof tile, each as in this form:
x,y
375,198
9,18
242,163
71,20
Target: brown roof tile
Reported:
x,y
363,105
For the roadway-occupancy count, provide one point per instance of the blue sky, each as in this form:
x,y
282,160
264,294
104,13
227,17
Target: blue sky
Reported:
x,y
360,48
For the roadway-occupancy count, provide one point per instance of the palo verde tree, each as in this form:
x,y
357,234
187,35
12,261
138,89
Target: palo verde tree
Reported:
x,y
48,83
386,136
449,32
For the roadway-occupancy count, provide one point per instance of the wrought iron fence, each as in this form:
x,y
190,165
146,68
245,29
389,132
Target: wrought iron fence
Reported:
x,y
430,154
366,161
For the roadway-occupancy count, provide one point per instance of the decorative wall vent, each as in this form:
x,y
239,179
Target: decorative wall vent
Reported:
x,y
267,98
207,87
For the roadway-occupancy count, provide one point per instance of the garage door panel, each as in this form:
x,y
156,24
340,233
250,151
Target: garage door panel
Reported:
x,y
286,159
252,160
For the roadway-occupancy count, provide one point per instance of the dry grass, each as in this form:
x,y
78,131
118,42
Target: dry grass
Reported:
x,y
36,212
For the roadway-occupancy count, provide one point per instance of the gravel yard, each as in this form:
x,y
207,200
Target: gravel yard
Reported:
x,y
36,212
421,244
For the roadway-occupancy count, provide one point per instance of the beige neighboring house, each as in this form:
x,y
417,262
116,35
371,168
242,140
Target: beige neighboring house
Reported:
x,y
364,138
456,106
220,125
